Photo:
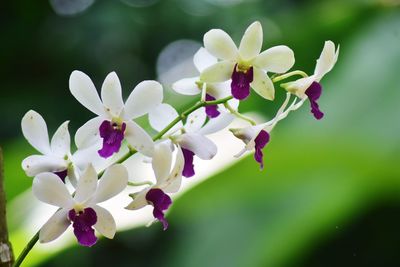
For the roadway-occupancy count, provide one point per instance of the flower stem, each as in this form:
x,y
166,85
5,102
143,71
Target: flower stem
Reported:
x,y
239,115
131,152
27,249
140,183
289,74
6,252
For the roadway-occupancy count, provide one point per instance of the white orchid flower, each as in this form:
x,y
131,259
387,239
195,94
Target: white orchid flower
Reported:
x,y
310,87
191,136
256,137
114,118
245,65
168,181
55,155
82,209
193,86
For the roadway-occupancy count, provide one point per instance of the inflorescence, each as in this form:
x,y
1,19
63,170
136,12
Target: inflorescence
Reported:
x,y
227,74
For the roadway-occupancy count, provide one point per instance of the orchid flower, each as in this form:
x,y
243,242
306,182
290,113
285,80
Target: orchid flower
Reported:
x,y
245,65
193,86
256,137
81,210
56,155
310,86
114,118
168,181
190,137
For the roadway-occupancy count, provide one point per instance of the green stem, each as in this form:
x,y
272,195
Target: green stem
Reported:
x,y
239,115
27,249
131,152
140,183
289,74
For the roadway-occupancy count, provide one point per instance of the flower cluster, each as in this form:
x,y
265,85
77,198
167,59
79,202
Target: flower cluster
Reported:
x,y
226,75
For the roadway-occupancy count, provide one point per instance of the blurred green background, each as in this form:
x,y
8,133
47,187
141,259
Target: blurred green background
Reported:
x,y
330,191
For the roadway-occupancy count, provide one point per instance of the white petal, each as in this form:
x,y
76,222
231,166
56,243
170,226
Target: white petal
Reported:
x,y
139,139
82,157
88,134
256,130
262,84
234,103
87,185
174,180
220,72
326,60
48,188
113,181
139,200
163,115
34,129
200,145
36,164
61,141
251,43
219,90
162,160
195,120
105,224
145,97
111,94
83,89
203,59
55,226
299,86
277,59
220,44
187,86
217,124
245,134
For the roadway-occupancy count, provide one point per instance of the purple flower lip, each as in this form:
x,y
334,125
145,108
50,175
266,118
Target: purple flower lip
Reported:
x,y
62,174
112,135
211,111
83,222
240,86
314,92
188,168
161,203
260,141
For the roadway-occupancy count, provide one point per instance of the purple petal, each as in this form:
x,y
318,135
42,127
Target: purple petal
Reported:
x,y
62,174
188,169
314,92
112,136
161,203
211,111
82,224
240,86
261,141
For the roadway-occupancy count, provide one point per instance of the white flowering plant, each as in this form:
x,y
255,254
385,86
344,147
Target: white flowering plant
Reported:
x,y
76,182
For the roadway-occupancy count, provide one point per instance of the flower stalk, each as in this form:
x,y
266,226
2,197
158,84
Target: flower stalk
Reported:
x,y
223,66
6,252
182,116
